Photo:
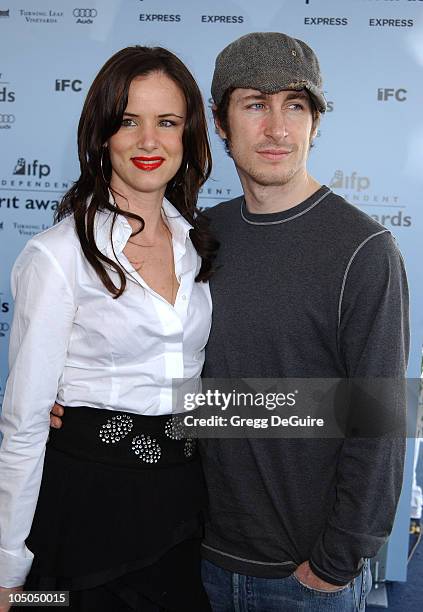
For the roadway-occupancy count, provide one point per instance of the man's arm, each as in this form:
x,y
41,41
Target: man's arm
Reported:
x,y
374,343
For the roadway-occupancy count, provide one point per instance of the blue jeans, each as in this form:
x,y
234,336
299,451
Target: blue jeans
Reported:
x,y
230,592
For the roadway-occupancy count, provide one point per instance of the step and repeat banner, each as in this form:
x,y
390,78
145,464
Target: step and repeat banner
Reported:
x,y
369,148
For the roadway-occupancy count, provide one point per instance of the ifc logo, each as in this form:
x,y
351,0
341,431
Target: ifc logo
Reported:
x,y
385,93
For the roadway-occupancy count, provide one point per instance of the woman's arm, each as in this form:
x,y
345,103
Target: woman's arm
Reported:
x,y
43,315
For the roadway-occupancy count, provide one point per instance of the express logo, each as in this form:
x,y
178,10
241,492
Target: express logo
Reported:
x,y
391,23
85,13
7,119
326,21
160,17
222,19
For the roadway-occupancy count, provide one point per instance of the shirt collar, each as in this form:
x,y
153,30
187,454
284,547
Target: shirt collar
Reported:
x,y
178,225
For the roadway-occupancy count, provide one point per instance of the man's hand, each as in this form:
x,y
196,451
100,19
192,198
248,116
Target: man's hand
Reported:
x,y
306,576
55,420
5,605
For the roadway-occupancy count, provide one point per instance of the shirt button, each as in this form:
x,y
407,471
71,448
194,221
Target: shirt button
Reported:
x,y
184,297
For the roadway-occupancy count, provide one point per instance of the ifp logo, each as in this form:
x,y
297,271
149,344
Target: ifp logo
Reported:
x,y
33,168
341,180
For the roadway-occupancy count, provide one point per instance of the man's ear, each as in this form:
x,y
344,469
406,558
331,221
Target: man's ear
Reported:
x,y
219,129
315,128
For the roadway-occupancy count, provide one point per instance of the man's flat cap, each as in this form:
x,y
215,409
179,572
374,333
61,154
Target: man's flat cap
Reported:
x,y
268,62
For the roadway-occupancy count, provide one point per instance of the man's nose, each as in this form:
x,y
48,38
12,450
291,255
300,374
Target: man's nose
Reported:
x,y
275,126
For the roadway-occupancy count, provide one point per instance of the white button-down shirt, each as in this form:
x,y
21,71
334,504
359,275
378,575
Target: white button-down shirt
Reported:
x,y
71,341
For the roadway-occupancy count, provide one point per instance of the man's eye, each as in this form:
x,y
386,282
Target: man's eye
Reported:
x,y
296,106
257,106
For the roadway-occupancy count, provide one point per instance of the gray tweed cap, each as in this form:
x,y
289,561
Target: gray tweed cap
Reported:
x,y
269,62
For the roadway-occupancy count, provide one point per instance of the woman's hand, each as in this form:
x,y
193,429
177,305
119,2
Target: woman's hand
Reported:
x,y
55,421
5,604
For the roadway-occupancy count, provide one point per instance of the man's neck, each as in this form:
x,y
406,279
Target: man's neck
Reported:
x,y
262,199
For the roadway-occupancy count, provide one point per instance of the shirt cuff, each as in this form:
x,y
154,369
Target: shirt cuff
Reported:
x,y
14,567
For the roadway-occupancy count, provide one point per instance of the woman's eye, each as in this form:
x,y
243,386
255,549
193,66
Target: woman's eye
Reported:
x,y
167,123
128,122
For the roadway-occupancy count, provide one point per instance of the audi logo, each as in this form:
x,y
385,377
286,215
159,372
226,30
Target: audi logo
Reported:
x,y
4,327
84,12
7,118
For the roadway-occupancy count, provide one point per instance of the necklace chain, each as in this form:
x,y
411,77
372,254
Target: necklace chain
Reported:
x,y
172,265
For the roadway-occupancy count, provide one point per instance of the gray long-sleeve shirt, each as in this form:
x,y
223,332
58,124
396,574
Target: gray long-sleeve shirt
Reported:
x,y
322,293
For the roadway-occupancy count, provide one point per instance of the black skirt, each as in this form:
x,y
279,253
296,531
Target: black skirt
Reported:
x,y
119,493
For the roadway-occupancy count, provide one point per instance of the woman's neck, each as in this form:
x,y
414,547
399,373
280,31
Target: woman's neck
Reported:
x,y
146,205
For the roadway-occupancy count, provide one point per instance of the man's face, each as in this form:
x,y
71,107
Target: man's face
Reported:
x,y
269,135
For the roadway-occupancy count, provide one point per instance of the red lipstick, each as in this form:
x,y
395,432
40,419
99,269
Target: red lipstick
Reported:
x,y
147,163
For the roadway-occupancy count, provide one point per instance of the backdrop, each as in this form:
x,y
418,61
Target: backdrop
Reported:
x,y
369,147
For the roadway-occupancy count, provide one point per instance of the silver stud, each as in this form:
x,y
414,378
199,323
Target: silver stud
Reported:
x,y
294,53
146,448
175,429
116,428
189,447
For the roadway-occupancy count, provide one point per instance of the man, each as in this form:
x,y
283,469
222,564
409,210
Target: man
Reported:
x,y
307,286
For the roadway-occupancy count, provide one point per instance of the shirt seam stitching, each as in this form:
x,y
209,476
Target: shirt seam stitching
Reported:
x,y
248,560
322,197
347,269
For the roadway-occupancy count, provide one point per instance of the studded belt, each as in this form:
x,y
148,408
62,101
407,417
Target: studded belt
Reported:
x,y
122,438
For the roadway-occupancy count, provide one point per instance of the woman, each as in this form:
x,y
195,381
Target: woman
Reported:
x,y
111,304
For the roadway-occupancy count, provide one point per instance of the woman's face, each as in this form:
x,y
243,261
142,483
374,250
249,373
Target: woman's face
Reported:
x,y
146,152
